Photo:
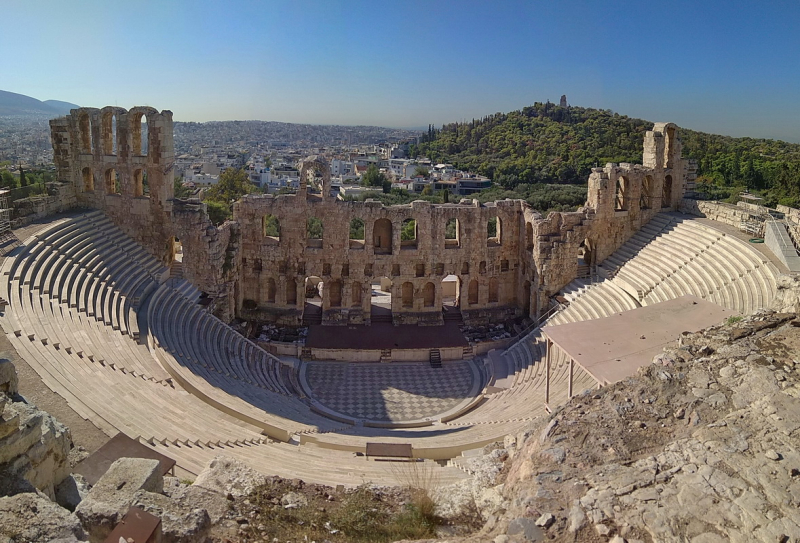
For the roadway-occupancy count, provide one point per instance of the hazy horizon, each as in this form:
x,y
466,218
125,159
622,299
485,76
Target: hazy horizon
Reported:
x,y
719,67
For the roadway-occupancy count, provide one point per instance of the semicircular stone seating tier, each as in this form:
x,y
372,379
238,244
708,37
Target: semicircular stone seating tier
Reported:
x,y
671,256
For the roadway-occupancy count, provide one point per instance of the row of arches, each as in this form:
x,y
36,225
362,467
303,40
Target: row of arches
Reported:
x,y
623,193
112,183
382,233
333,291
108,133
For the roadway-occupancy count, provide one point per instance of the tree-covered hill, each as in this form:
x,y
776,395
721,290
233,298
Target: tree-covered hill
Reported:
x,y
546,143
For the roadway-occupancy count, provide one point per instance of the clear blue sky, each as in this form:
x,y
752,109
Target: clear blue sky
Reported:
x,y
724,66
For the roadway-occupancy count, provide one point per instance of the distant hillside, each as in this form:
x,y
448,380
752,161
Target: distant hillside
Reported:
x,y
61,107
12,103
546,143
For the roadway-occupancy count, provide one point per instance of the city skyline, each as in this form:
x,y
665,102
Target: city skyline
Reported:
x,y
728,68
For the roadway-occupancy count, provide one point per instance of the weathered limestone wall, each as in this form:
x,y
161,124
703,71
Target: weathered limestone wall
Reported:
x,y
60,197
103,154
211,258
274,268
717,211
256,274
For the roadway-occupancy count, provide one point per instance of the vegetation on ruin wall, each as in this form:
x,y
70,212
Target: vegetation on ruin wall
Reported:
x,y
546,143
219,198
542,197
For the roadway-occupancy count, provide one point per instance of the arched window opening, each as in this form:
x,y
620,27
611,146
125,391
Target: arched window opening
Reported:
x,y
382,237
493,227
451,291
112,181
271,227
335,293
86,134
314,232
621,199
407,294
355,294
428,295
109,133
646,198
420,269
452,234
144,141
529,236
465,268
88,180
472,292
408,234
482,267
494,287
669,146
138,182
291,292
356,233
666,195
270,290
504,265
381,300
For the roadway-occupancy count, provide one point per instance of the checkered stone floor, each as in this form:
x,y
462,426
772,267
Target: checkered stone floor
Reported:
x,y
393,392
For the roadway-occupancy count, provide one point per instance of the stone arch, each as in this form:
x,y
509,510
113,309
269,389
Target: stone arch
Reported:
x,y
291,292
334,293
586,253
494,290
646,197
109,123
314,232
88,179
452,233
270,291
85,129
670,136
429,295
407,295
382,237
139,182
622,194
666,193
112,183
529,236
408,234
451,290
271,227
472,292
355,294
139,119
316,164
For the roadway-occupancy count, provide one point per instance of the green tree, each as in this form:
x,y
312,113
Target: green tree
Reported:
x,y
218,212
422,170
23,181
427,191
409,230
7,179
179,190
375,178
231,186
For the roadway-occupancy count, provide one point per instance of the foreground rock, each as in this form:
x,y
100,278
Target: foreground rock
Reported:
x,y
702,445
35,519
109,500
34,447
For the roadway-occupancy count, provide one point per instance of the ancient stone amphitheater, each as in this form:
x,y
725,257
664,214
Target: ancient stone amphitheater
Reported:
x,y
96,307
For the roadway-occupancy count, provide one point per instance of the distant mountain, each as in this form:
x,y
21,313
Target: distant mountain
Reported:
x,y
61,107
12,103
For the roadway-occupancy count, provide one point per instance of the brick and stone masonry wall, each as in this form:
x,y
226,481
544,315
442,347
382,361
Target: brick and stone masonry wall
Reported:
x,y
99,154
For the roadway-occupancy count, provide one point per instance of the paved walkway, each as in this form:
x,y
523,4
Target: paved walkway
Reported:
x,y
396,392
